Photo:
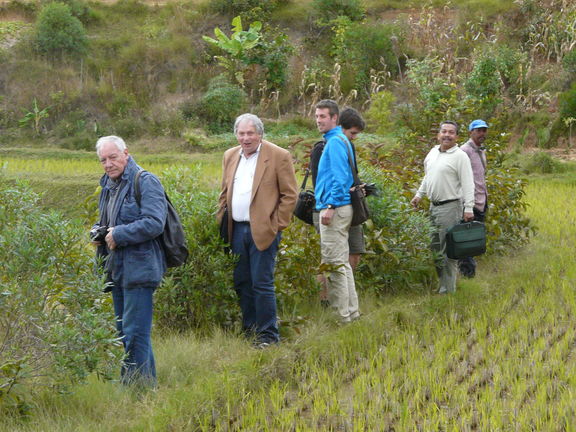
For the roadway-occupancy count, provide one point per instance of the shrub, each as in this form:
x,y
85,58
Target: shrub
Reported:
x,y
220,105
361,48
58,32
249,10
199,294
327,10
568,103
55,325
397,238
379,114
542,163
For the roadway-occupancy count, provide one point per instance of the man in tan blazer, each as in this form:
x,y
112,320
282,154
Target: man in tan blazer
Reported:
x,y
259,191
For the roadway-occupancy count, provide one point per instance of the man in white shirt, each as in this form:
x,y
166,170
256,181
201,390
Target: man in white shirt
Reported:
x,y
448,183
259,191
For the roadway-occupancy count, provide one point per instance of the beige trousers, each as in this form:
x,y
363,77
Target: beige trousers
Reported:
x,y
443,218
334,246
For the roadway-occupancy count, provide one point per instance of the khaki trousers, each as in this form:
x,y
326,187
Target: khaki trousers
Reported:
x,y
443,218
334,246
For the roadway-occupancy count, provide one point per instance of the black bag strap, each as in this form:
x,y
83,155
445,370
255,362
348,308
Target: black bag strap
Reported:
x,y
137,193
351,162
303,187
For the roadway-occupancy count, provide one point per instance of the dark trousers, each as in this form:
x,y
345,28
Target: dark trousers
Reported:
x,y
467,266
254,284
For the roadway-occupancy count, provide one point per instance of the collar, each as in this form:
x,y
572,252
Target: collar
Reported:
x,y
333,132
253,154
450,150
474,146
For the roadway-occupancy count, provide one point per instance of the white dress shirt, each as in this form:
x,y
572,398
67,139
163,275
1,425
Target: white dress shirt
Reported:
x,y
242,189
448,175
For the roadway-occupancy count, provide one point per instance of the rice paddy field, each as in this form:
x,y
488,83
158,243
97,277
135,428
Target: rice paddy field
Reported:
x,y
499,355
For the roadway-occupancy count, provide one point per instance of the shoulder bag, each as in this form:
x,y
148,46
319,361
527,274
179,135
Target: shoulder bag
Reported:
x,y
306,203
361,212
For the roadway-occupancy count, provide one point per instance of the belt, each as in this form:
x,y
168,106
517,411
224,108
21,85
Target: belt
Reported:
x,y
242,223
439,203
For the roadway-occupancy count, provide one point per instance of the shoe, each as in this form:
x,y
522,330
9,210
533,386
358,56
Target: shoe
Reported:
x,y
262,345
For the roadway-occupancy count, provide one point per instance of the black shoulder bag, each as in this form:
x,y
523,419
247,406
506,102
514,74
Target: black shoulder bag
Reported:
x,y
306,203
172,239
361,212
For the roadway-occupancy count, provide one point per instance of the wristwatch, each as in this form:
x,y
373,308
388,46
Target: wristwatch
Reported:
x,y
331,206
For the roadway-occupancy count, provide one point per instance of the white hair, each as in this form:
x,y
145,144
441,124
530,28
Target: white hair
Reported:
x,y
251,118
119,142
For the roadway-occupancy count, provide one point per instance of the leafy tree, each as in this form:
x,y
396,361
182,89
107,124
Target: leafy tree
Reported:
x,y
58,32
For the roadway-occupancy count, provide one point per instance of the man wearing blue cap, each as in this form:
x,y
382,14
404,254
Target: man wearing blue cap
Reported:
x,y
474,148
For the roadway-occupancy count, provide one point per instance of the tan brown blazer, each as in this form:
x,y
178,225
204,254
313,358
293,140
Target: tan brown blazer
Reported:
x,y
274,192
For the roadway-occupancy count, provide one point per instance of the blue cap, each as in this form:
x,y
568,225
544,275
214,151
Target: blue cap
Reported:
x,y
477,124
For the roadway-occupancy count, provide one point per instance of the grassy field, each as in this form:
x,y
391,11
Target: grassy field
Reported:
x,y
66,178
497,355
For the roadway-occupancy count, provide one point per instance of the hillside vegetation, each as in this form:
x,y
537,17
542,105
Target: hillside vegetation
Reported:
x,y
74,71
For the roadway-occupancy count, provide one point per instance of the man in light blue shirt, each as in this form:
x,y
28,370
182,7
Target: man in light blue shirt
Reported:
x,y
332,192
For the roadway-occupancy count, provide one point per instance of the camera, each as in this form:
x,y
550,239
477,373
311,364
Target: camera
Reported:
x,y
98,234
371,189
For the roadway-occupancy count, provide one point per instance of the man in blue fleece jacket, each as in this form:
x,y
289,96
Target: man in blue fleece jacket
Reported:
x,y
332,191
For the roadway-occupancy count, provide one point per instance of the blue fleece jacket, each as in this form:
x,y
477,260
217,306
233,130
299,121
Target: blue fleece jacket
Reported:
x,y
334,178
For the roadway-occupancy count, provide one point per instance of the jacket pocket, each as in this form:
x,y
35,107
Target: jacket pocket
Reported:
x,y
141,268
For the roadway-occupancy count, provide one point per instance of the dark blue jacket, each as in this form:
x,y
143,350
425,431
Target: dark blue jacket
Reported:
x,y
334,178
138,260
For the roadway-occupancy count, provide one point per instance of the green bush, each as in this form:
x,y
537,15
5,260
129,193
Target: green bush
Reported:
x,y
55,325
362,48
542,163
568,102
249,10
200,294
220,105
58,32
397,238
379,115
327,10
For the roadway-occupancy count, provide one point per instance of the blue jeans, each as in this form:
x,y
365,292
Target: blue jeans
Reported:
x,y
254,284
133,310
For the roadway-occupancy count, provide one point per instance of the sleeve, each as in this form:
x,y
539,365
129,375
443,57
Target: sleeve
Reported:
x,y
152,218
222,198
288,189
467,182
423,186
341,178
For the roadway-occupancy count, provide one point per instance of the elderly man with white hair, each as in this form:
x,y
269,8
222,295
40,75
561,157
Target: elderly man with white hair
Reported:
x,y
129,249
258,197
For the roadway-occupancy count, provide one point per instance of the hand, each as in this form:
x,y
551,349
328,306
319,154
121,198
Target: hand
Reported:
x,y
468,216
110,239
326,216
361,187
415,201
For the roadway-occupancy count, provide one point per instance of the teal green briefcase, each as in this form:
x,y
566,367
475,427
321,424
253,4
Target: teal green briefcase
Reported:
x,y
466,239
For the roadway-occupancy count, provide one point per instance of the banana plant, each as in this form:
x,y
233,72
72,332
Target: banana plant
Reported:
x,y
236,47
